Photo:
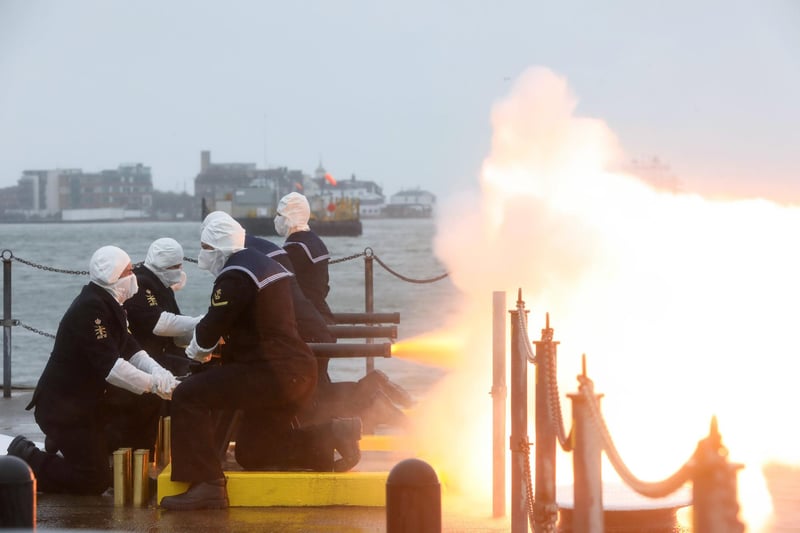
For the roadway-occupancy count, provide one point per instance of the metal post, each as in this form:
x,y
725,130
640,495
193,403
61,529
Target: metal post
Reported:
x,y
545,507
519,425
586,461
499,403
413,498
7,255
369,304
714,501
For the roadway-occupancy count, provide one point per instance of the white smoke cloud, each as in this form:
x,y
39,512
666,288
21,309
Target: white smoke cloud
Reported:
x,y
686,307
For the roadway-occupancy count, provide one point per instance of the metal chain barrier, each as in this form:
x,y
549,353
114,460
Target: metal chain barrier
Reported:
x,y
525,447
35,330
366,252
404,278
657,489
348,258
50,269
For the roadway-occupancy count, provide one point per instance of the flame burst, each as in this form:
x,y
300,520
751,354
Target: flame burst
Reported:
x,y
685,307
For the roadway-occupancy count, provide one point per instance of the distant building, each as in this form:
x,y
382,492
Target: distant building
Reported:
x,y
411,203
369,194
241,189
50,194
244,191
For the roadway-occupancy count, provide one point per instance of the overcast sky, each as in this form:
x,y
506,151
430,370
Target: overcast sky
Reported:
x,y
399,92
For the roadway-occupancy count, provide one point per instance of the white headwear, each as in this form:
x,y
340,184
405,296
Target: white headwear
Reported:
x,y
292,214
105,267
223,234
162,254
211,217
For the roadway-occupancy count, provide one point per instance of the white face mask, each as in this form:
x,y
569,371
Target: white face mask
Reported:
x,y
211,260
124,288
178,285
168,277
282,225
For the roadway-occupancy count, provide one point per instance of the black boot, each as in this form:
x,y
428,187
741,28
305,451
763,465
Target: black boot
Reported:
x,y
395,392
382,411
201,495
23,448
346,434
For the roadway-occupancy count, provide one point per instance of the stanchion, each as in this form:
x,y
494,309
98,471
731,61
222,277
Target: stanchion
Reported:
x,y
498,404
17,493
122,477
587,460
413,498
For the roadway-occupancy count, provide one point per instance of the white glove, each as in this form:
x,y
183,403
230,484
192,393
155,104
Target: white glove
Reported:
x,y
145,363
163,385
198,353
128,377
172,325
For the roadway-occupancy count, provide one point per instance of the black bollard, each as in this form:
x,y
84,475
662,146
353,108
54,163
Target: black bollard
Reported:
x,y
413,498
17,493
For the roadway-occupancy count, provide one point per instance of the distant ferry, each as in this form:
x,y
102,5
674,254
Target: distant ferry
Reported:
x,y
337,219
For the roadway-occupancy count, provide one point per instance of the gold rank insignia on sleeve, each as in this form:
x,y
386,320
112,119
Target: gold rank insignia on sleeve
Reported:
x,y
216,299
100,331
151,298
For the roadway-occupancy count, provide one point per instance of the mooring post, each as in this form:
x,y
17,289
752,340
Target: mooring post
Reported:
x,y
413,498
545,509
715,507
17,494
7,322
369,302
518,442
498,403
587,459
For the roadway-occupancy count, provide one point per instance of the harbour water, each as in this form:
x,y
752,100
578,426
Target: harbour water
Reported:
x,y
40,296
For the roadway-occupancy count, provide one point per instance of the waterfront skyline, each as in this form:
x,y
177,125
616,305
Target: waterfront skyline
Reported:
x,y
397,93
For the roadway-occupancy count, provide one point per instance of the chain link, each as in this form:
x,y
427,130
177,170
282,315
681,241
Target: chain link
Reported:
x,y
550,373
348,258
51,269
525,448
404,278
35,330
657,489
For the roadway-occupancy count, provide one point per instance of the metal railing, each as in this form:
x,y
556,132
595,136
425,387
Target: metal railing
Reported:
x,y
713,477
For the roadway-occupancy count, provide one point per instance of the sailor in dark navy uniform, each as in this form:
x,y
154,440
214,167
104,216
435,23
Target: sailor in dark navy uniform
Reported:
x,y
374,398
153,313
156,322
93,348
310,323
266,370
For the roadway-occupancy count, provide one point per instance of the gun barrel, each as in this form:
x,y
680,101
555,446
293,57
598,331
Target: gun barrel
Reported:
x,y
339,350
363,332
366,318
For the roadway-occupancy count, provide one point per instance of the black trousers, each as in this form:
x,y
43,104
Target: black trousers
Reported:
x,y
132,419
84,467
269,398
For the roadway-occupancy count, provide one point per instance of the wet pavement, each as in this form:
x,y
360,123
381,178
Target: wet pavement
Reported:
x,y
59,512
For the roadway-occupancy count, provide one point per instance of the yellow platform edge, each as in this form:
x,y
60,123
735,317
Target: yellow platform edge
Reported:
x,y
293,489
383,443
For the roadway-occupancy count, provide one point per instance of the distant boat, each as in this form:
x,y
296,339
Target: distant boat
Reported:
x,y
264,226
339,219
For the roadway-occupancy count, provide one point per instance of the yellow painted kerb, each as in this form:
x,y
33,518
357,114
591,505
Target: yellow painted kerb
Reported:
x,y
293,489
